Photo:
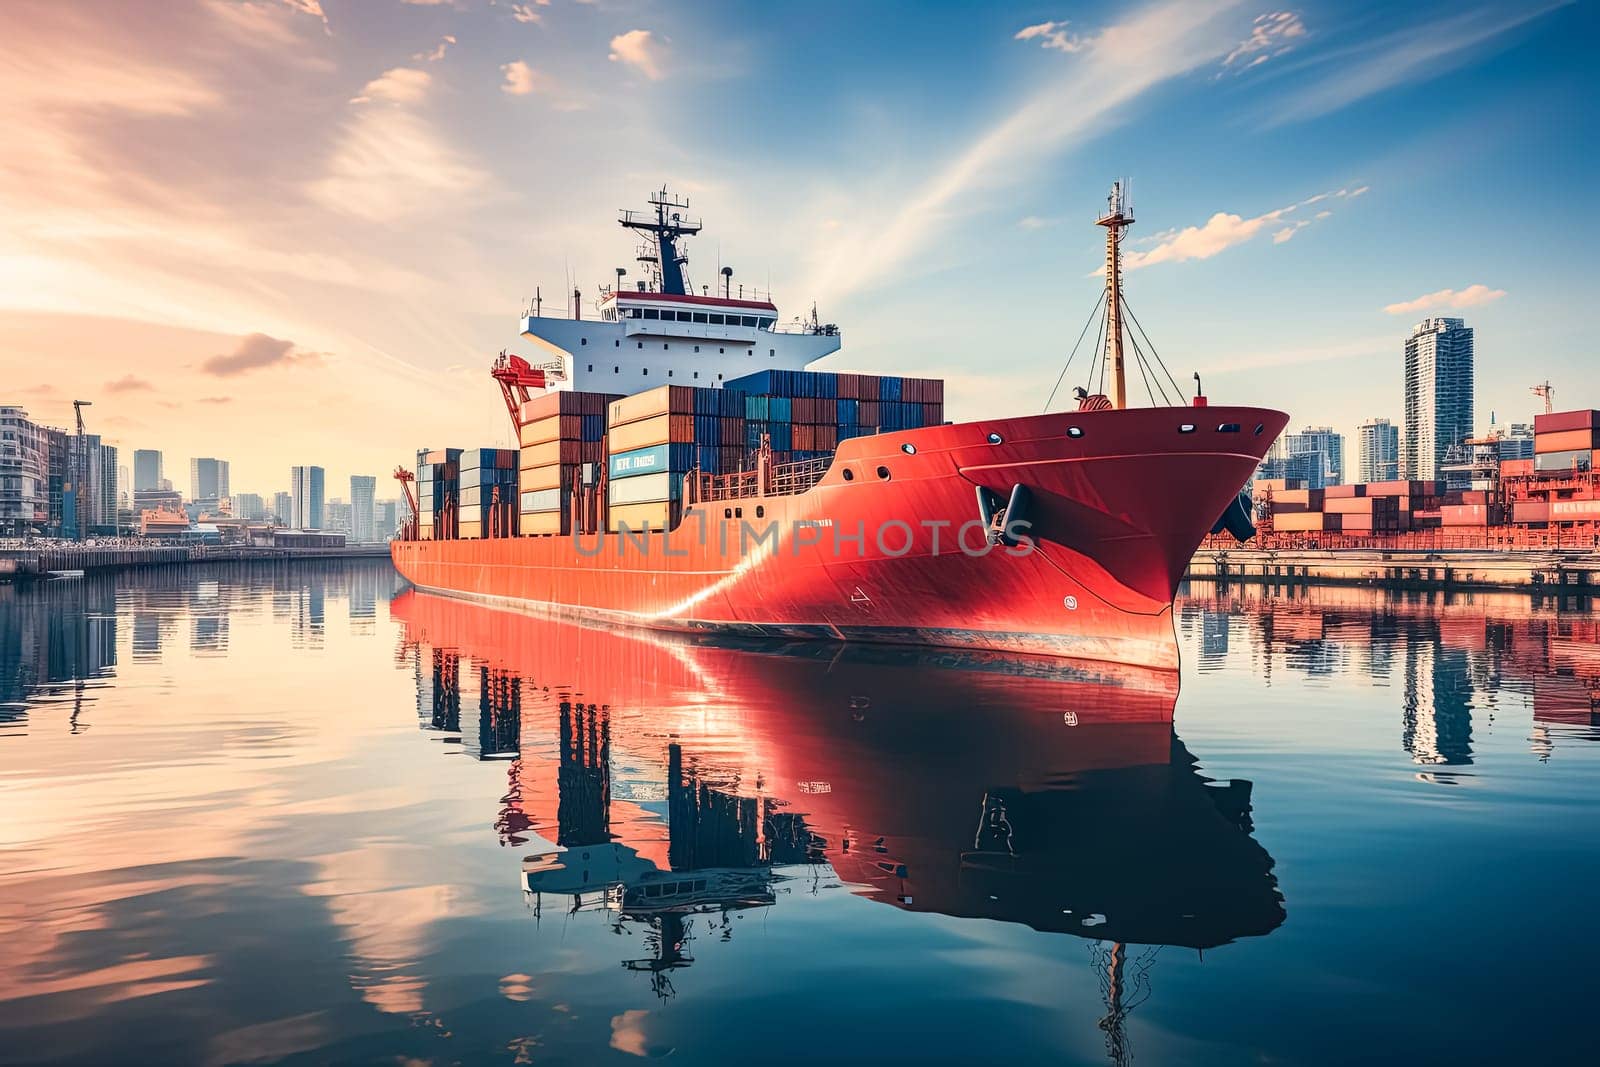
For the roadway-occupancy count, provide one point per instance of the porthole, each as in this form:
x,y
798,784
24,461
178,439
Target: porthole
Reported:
x,y
738,513
1074,431
697,348
1228,427
727,513
639,343
909,449
761,511
1261,428
995,439
848,474
591,368
583,340
1187,427
645,371
883,473
617,343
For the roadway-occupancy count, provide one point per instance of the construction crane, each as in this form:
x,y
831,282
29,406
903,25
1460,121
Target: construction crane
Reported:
x,y
408,528
1545,389
77,411
517,377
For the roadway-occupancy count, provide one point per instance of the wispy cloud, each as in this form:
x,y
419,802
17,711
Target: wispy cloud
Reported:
x,y
519,78
128,384
256,351
1225,230
1448,299
437,52
525,13
313,8
1412,54
1272,35
1159,42
642,50
1051,35
402,85
1036,222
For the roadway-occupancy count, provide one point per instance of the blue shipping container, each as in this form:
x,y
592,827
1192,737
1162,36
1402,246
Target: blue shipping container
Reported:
x,y
653,460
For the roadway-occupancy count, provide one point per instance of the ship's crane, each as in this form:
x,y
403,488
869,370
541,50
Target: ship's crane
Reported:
x,y
517,377
1544,389
408,529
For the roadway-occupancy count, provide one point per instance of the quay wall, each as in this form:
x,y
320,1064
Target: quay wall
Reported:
x,y
1525,570
23,563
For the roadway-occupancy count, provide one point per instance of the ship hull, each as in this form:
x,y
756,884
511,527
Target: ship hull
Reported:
x,y
888,547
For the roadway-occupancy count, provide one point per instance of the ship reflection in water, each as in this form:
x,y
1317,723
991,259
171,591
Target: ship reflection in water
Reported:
x,y
968,785
305,814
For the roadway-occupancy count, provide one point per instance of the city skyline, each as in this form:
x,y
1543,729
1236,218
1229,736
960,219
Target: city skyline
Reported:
x,y
1279,159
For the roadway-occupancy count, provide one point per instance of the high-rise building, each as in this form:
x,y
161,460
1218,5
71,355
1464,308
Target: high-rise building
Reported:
x,y
24,474
306,485
283,507
1439,384
1315,455
1380,451
388,519
146,469
208,480
363,493
249,507
89,490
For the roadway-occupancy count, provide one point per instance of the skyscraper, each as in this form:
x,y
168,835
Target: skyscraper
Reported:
x,y
283,507
249,506
208,480
1380,451
1439,381
305,483
363,492
1315,455
146,469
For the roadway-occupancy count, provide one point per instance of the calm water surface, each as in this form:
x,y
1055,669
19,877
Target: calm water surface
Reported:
x,y
304,814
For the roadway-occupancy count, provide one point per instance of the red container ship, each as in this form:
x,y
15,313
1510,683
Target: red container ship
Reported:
x,y
1062,534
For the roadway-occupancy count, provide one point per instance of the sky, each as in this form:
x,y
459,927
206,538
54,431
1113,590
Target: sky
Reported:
x,y
297,231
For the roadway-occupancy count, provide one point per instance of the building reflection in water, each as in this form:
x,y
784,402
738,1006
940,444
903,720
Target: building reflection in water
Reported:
x,y
58,643
672,785
1456,658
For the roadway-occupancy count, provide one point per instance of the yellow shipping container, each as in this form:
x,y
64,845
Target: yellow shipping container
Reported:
x,y
471,530
543,522
656,431
658,515
537,433
659,401
541,455
550,476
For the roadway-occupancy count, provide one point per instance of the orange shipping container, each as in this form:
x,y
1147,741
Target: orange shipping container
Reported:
x,y
1302,522
545,522
1566,441
552,428
667,399
1526,511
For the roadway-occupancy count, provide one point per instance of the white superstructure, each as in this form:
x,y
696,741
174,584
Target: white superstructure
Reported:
x,y
661,333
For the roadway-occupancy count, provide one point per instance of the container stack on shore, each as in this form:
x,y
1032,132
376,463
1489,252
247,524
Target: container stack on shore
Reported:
x,y
1369,508
1558,486
561,432
488,493
438,493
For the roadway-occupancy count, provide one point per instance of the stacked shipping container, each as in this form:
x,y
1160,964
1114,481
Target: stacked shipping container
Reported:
x,y
652,445
438,493
807,413
561,432
488,493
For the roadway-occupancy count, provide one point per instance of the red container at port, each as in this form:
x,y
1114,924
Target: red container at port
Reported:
x,y
1361,505
1466,515
1515,468
1566,440
1561,421
1402,488
1307,499
1529,511
1575,511
1344,492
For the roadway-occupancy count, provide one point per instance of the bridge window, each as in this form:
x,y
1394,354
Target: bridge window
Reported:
x,y
651,313
669,372
664,345
716,320
617,343
645,371
591,368
583,340
697,348
639,343
772,351
684,316
633,313
766,324
616,370
697,374
749,320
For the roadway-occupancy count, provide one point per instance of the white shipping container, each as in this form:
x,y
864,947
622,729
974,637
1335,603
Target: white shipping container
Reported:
x,y
647,488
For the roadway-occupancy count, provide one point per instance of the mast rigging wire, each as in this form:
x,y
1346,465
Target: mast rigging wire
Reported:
x,y
1070,356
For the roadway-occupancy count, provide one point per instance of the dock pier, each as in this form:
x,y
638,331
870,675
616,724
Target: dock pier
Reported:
x,y
20,563
1527,571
